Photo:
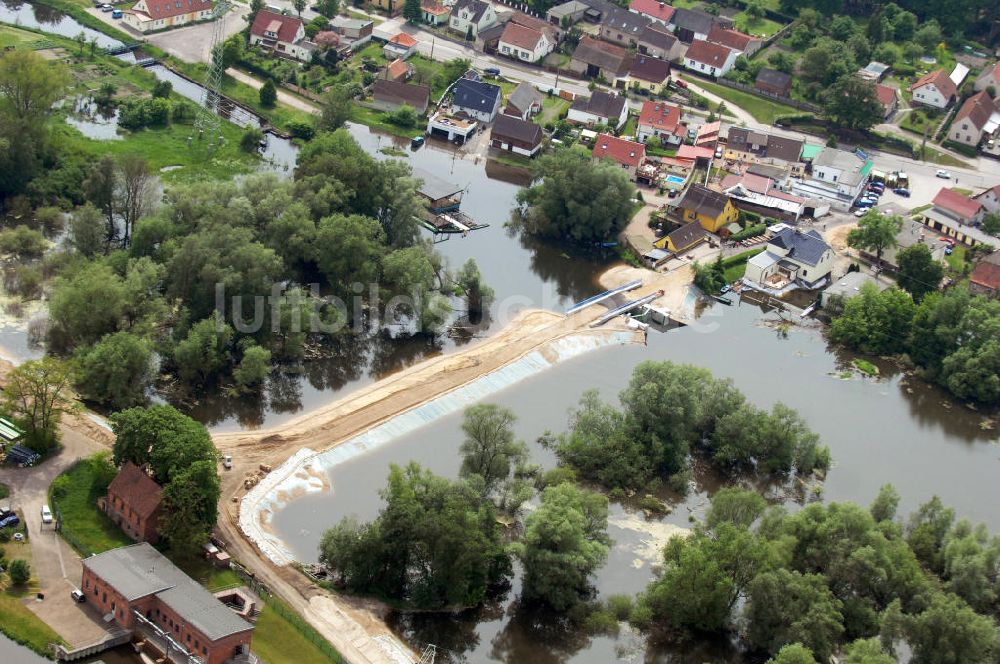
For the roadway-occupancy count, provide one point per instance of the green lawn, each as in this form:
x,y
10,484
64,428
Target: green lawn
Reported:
x,y
631,126
553,109
19,624
208,574
736,266
4,490
956,261
937,157
86,528
918,120
16,38
277,641
763,110
377,120
763,27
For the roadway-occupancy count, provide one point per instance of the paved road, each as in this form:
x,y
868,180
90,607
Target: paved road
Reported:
x,y
55,565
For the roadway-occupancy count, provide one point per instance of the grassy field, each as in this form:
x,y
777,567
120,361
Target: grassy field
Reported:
x,y
11,37
763,27
377,120
553,109
937,157
956,261
19,624
736,266
209,575
763,110
84,526
277,641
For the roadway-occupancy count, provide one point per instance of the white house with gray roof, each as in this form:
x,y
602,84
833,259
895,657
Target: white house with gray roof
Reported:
x,y
793,258
836,176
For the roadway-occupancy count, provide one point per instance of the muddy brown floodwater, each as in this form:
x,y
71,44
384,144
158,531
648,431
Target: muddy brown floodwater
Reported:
x,y
892,429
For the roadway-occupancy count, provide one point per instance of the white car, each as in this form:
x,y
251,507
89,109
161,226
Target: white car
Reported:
x,y
46,514
943,174
227,462
860,213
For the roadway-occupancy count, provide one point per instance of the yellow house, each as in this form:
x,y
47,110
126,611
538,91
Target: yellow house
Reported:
x,y
648,73
712,209
682,239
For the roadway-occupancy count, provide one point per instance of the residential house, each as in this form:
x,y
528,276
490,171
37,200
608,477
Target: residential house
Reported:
x,y
524,102
648,73
849,286
627,154
657,41
594,58
742,43
435,13
281,34
755,147
692,24
837,177
989,78
391,7
139,589
978,118
515,135
488,39
601,108
708,134
476,99
682,238
761,195
523,43
400,45
398,70
792,256
958,216
353,31
934,89
712,209
985,278
774,82
912,233
710,58
390,95
990,199
654,10
154,15
661,119
553,32
623,27
134,503
889,98
471,16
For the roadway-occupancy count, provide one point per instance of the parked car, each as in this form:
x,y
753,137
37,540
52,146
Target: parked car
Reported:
x,y
947,250
943,174
416,142
117,13
227,462
107,8
947,240
718,153
875,184
860,212
492,71
10,521
901,191
78,596
681,83
46,514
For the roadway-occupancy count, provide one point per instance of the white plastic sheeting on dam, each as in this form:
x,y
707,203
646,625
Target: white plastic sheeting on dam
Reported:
x,y
306,471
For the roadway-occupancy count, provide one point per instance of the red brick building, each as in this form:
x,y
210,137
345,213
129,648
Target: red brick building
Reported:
x,y
141,590
133,503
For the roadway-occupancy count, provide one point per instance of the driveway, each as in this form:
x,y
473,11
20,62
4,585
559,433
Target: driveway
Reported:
x,y
55,565
193,43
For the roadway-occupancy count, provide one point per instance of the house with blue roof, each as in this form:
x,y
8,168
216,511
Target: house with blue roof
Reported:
x,y
792,259
476,99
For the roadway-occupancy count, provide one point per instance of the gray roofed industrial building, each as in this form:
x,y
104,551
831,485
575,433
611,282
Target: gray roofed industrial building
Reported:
x,y
139,570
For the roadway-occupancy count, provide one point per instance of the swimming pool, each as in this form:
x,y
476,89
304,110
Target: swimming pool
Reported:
x,y
675,179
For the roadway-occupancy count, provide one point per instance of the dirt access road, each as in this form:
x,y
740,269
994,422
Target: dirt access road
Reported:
x,y
354,625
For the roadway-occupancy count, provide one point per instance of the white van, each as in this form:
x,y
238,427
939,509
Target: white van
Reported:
x,y
46,514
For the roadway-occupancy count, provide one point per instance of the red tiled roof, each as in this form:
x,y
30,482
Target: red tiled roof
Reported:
x,y
404,40
160,9
708,132
397,69
660,115
286,27
941,81
734,39
521,36
693,152
627,153
886,95
952,201
136,488
658,10
434,7
986,274
977,109
714,55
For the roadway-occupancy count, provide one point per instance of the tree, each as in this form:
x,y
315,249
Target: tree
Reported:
x,y
85,306
564,541
842,27
329,8
787,607
162,438
578,201
793,653
405,116
949,632
116,370
30,86
852,102
866,651
478,295
349,249
299,6
204,352
710,278
919,274
37,394
251,139
412,11
100,188
136,190
991,224
231,50
928,35
754,11
490,450
162,89
255,6
875,322
736,506
782,61
254,367
22,242
268,94
20,572
885,504
904,25
86,230
875,233
190,506
336,108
